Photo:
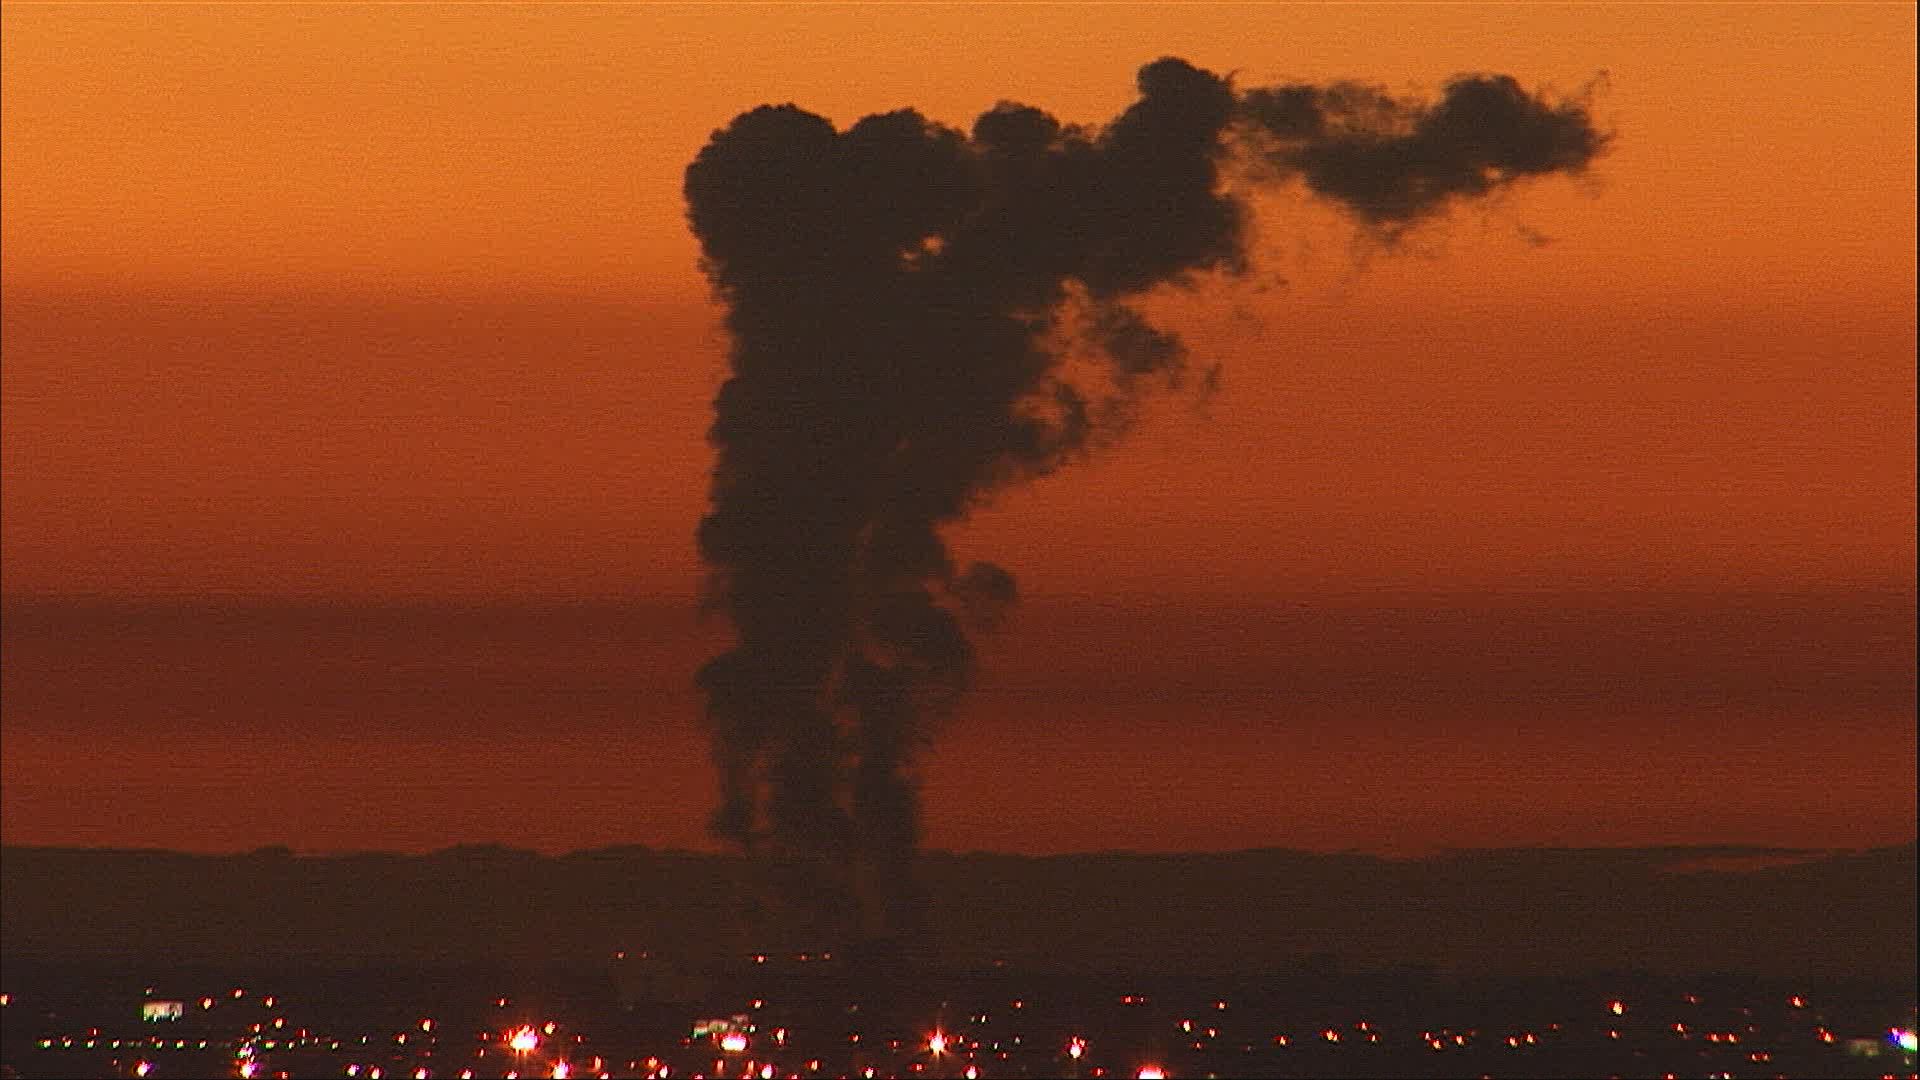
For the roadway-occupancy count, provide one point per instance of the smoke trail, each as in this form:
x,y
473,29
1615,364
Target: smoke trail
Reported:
x,y
898,295
1392,161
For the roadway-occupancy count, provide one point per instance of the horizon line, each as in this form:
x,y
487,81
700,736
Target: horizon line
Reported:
x,y
1701,849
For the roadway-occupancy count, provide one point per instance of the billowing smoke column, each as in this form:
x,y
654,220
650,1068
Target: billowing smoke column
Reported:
x,y
901,299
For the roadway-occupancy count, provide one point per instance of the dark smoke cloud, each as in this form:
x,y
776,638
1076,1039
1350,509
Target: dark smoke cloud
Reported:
x,y
1393,161
900,297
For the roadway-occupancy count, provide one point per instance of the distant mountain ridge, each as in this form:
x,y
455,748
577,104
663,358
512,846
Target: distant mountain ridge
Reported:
x,y
1753,910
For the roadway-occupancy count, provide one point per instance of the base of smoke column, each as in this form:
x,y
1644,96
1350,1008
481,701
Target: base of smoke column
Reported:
x,y
696,972
820,914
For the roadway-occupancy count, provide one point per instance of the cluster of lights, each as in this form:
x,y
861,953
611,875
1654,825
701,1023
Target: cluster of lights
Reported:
x,y
735,1036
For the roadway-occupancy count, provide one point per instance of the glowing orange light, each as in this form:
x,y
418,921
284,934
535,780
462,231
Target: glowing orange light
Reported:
x,y
1797,1001
1076,1047
733,1042
561,1070
247,1069
523,1041
1150,1072
143,1068
937,1042
972,1073
548,1028
1618,1008
419,1074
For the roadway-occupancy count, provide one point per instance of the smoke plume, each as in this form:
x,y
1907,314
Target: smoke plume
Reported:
x,y
901,296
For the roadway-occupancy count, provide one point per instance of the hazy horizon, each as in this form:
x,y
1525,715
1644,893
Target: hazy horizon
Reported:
x,y
566,725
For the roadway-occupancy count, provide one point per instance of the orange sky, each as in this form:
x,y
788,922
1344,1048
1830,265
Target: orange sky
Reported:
x,y
364,302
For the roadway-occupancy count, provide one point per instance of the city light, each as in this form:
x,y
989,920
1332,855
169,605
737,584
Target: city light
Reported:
x,y
260,1048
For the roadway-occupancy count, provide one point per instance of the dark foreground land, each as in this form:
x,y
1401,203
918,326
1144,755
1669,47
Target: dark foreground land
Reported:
x,y
311,1023
1694,962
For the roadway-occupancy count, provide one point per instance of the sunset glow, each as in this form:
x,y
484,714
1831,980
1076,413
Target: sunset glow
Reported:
x,y
361,368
